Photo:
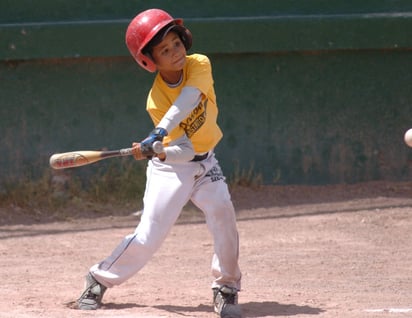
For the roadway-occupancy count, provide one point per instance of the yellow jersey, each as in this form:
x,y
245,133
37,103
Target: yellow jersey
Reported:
x,y
201,124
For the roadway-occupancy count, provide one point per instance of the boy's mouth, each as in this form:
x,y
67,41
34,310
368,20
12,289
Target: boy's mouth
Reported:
x,y
180,60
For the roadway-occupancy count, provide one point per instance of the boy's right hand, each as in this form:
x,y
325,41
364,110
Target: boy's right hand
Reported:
x,y
137,152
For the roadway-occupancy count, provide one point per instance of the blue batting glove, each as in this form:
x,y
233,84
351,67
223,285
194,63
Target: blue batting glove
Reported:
x,y
146,146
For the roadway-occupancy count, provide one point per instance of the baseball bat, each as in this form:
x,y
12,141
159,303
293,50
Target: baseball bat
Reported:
x,y
74,159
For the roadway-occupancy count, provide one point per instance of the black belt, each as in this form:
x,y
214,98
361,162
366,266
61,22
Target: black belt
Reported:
x,y
200,157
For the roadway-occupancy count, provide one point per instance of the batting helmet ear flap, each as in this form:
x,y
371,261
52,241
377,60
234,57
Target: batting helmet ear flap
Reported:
x,y
146,61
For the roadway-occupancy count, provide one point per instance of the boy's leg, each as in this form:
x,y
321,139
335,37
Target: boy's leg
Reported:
x,y
213,198
163,202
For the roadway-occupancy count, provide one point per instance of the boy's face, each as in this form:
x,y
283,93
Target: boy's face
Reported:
x,y
170,54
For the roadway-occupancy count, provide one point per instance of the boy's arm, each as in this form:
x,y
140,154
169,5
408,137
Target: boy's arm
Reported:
x,y
188,99
179,150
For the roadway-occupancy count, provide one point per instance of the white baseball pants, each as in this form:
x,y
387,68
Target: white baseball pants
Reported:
x,y
169,187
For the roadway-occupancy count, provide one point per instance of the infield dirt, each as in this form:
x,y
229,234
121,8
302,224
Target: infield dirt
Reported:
x,y
306,251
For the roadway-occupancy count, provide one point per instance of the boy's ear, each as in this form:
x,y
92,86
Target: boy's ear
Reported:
x,y
184,34
187,38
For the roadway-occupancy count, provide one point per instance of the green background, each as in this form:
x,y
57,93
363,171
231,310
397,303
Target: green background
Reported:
x,y
310,92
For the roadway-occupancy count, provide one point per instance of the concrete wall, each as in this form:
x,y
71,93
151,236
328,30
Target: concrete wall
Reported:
x,y
309,93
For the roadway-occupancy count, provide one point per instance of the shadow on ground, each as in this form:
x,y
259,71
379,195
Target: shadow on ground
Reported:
x,y
273,309
251,309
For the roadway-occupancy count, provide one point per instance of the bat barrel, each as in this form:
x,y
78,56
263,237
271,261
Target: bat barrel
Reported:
x,y
74,159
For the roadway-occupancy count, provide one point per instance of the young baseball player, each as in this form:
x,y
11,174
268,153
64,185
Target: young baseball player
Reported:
x,y
182,105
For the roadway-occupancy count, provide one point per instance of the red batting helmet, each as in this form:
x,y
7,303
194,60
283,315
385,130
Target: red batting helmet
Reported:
x,y
144,27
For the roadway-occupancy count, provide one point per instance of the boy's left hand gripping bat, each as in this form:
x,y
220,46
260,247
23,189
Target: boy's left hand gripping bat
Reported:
x,y
85,157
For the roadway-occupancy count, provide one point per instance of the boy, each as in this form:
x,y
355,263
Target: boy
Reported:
x,y
182,105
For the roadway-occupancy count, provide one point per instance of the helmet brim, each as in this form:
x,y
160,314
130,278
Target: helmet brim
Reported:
x,y
157,29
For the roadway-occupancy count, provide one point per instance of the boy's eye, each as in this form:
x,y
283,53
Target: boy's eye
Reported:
x,y
166,51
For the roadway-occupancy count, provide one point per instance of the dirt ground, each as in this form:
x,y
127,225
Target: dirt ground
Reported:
x,y
321,251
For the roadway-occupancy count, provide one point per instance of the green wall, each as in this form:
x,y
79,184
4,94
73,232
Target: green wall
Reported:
x,y
309,93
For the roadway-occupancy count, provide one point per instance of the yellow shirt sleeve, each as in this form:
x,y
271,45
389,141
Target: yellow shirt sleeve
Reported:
x,y
199,74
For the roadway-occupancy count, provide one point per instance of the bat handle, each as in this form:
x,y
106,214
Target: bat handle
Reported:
x,y
126,151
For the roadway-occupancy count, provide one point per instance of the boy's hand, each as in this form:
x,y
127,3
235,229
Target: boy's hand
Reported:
x,y
137,152
146,145
138,155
